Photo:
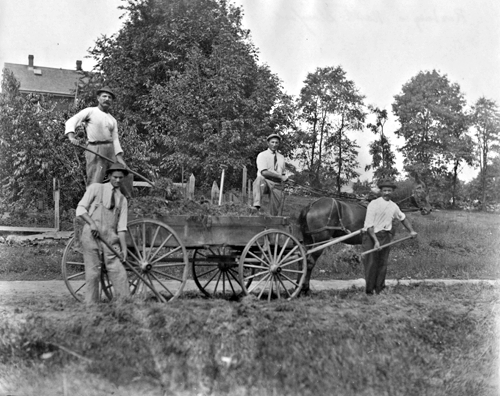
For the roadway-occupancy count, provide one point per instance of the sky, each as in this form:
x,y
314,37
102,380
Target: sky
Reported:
x,y
380,44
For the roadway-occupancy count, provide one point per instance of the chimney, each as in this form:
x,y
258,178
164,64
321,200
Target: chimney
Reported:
x,y
31,59
79,65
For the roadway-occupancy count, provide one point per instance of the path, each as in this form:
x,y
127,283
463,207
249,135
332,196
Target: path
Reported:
x,y
57,288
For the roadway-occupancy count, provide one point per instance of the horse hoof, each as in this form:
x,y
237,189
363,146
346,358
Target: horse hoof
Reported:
x,y
305,291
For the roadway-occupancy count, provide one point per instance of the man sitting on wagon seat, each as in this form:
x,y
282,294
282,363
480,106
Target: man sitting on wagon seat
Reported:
x,y
104,210
270,174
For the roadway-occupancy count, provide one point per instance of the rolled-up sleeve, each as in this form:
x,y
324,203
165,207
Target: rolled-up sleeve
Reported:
x,y
398,214
86,201
116,141
370,217
261,162
123,219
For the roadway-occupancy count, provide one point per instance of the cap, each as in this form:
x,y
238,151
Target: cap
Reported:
x,y
386,183
273,135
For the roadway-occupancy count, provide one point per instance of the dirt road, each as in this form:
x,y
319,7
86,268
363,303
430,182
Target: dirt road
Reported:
x,y
57,288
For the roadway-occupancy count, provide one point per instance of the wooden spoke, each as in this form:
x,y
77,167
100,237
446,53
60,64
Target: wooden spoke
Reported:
x,y
158,258
73,270
274,256
214,270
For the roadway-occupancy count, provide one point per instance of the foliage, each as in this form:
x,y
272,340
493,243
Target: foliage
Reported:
x,y
33,150
486,123
330,106
433,122
490,194
383,158
188,81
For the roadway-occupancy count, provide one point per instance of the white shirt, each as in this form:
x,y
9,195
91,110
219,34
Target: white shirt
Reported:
x,y
90,200
99,125
380,214
265,161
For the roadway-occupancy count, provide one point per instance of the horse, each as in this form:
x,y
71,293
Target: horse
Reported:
x,y
328,218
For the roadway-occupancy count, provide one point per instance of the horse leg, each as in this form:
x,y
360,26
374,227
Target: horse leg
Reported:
x,y
311,262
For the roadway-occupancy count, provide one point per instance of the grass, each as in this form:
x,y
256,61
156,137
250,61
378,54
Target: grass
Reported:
x,y
420,340
35,262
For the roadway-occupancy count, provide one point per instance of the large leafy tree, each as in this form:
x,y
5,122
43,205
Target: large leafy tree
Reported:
x,y
383,158
189,82
486,123
33,149
330,107
432,120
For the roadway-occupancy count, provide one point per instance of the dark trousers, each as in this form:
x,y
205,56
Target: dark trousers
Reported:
x,y
375,263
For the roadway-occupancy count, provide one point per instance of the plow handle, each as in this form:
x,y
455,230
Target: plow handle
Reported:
x,y
111,161
386,245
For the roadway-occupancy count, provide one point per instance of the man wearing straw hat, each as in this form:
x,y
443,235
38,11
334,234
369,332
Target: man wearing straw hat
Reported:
x,y
270,174
104,210
102,137
378,226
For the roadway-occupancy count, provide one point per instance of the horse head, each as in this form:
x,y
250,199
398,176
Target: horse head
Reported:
x,y
420,198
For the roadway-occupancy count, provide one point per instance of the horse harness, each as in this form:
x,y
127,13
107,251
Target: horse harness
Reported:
x,y
327,227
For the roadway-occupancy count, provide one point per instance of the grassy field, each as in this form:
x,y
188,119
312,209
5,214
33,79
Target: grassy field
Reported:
x,y
420,340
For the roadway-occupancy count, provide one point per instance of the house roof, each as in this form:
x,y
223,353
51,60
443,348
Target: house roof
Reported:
x,y
46,80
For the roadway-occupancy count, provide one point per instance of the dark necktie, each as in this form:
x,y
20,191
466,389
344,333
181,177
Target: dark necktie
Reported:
x,y
112,204
275,162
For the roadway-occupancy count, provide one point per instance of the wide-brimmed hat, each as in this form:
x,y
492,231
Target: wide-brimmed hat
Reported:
x,y
273,135
386,183
117,167
107,90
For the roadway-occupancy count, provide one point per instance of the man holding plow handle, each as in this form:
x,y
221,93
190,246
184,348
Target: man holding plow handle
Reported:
x,y
102,134
379,232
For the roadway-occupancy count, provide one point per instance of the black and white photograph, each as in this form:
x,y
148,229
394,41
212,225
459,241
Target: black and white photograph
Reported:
x,y
249,198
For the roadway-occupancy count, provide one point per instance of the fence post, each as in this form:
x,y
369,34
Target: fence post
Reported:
x,y
250,196
244,185
57,194
214,194
190,187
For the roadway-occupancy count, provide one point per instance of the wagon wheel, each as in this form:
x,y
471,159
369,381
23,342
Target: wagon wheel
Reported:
x,y
73,272
215,271
279,264
157,257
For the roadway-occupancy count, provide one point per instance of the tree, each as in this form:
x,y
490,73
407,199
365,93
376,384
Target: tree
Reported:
x,y
431,113
330,106
32,151
383,158
486,122
189,82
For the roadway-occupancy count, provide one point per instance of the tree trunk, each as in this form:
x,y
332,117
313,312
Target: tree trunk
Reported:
x,y
483,178
454,183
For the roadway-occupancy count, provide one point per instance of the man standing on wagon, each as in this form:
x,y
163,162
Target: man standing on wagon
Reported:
x,y
104,210
378,226
102,135
270,174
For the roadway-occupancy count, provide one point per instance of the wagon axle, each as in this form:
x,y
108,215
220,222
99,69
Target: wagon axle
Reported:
x,y
145,266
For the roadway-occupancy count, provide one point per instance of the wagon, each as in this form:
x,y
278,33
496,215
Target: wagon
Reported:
x,y
228,257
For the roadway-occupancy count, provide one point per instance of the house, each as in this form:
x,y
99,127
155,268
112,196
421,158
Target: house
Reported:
x,y
56,84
